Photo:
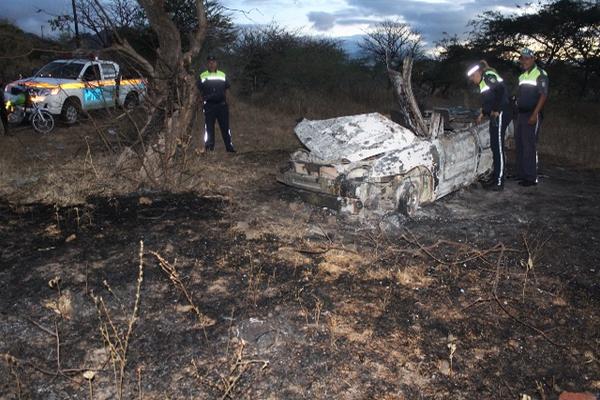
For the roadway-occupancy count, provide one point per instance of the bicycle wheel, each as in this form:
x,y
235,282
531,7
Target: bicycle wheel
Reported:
x,y
42,121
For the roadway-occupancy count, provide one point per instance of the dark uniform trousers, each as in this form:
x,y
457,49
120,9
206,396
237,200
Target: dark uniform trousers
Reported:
x,y
526,137
498,126
216,112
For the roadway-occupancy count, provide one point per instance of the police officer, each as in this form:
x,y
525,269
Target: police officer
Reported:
x,y
3,113
214,86
496,106
531,97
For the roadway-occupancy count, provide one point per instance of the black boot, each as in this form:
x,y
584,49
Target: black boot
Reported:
x,y
526,183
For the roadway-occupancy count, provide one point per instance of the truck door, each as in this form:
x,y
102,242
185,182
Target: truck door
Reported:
x,y
92,90
109,84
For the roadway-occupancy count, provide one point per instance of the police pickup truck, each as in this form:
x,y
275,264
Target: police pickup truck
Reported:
x,y
67,87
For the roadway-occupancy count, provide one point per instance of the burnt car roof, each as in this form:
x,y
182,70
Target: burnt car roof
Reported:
x,y
353,138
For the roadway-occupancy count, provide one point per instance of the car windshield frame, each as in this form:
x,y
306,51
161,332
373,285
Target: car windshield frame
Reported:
x,y
61,70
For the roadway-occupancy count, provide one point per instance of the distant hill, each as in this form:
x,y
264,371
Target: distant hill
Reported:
x,y
350,45
21,52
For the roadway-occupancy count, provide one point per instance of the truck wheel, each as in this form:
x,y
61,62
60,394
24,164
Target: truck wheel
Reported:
x,y
70,111
408,199
131,101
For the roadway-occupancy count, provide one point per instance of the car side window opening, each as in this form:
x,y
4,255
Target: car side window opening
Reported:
x,y
92,73
109,71
60,70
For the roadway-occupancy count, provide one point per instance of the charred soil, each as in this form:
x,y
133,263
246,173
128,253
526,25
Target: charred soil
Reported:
x,y
483,295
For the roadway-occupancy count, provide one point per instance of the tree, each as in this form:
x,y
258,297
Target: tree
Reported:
x,y
274,59
561,31
393,41
220,27
161,40
174,105
129,19
100,18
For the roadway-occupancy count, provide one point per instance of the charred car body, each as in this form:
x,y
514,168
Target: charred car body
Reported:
x,y
368,163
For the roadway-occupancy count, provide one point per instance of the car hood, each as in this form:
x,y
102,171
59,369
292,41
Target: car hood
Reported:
x,y
353,138
41,82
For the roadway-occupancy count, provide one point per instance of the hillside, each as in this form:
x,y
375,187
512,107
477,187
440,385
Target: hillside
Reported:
x,y
22,52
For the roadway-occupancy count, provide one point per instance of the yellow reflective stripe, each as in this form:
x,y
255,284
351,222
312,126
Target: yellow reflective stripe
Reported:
x,y
484,89
72,85
132,82
82,85
41,85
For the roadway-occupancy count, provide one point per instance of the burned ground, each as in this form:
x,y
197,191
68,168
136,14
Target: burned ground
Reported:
x,y
482,295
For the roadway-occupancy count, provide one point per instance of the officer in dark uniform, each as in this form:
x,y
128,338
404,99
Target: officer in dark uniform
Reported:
x,y
496,106
531,97
3,113
213,86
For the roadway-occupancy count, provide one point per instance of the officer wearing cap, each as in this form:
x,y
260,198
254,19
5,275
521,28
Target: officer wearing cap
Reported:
x,y
496,106
214,86
531,97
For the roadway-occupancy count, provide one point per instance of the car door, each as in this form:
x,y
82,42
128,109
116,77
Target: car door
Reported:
x,y
92,87
109,84
459,159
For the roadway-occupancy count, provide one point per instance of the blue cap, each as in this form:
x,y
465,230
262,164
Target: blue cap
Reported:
x,y
527,52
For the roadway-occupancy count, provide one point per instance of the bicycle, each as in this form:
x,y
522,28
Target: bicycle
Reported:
x,y
41,120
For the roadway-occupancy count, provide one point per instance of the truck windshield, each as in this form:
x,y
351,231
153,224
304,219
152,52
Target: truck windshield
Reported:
x,y
60,70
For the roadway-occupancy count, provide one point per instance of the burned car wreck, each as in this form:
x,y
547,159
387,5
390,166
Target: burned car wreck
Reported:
x,y
368,163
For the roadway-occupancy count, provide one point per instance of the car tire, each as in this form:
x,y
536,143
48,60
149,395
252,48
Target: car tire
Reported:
x,y
70,111
132,100
408,199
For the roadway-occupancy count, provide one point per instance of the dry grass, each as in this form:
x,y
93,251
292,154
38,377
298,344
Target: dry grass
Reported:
x,y
570,132
299,104
72,163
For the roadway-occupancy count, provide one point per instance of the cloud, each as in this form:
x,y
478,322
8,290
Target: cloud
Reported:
x,y
432,18
322,21
30,15
325,21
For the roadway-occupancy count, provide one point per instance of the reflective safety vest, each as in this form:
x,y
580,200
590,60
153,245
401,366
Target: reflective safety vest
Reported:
x,y
530,78
483,86
213,87
532,84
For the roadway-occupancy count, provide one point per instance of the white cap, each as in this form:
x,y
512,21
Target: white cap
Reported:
x,y
473,70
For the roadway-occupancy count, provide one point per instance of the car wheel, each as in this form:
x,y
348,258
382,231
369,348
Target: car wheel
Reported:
x,y
408,199
70,112
131,101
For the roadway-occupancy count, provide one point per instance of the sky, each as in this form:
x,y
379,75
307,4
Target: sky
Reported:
x,y
330,18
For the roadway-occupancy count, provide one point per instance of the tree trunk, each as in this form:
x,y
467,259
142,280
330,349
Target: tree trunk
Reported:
x,y
409,110
173,99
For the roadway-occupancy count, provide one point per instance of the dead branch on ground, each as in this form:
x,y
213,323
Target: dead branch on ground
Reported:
x,y
175,278
239,367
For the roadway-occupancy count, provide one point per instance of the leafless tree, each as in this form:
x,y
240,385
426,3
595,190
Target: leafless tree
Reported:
x,y
98,18
392,40
174,97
